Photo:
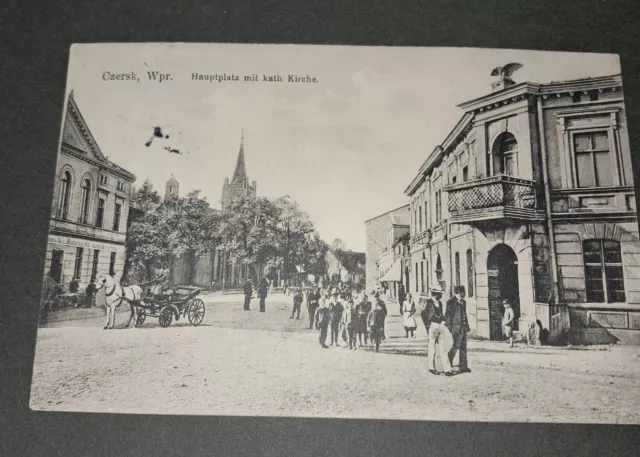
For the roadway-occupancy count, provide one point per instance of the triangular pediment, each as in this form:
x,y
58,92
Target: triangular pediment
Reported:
x,y
76,133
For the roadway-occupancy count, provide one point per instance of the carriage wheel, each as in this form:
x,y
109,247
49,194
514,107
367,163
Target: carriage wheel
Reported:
x,y
166,316
195,313
142,315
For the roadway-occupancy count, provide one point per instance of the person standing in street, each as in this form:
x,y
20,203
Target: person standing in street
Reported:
x,y
433,317
263,290
297,303
508,321
375,322
347,324
456,317
408,318
313,301
336,309
248,293
90,293
322,319
360,319
402,295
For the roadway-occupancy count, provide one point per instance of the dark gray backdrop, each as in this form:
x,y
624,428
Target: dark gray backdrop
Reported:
x,y
35,44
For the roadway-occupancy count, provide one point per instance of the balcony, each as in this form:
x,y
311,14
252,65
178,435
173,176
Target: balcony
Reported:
x,y
420,240
495,197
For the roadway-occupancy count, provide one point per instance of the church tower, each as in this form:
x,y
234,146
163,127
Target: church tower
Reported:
x,y
171,189
239,184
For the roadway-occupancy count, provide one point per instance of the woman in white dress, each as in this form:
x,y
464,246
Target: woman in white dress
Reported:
x,y
408,318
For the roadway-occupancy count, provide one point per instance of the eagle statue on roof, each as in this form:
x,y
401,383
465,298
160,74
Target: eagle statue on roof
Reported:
x,y
506,71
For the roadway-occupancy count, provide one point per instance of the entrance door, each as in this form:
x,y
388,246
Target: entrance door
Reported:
x,y
502,270
55,270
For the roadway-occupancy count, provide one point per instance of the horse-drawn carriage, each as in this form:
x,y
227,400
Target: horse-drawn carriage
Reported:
x,y
179,302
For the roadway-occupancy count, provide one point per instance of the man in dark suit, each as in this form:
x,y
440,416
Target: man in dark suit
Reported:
x,y
248,292
263,289
456,318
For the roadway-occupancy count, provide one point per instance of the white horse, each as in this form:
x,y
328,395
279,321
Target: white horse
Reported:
x,y
115,295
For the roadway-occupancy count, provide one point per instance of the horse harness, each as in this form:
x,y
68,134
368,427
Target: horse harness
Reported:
x,y
121,296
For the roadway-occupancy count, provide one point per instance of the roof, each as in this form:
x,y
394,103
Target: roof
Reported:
x,y
504,96
240,173
387,212
400,219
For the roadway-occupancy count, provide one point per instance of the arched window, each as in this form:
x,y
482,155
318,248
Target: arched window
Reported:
x,y
505,155
84,201
469,273
65,195
439,269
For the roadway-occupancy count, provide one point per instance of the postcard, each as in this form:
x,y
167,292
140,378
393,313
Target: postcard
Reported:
x,y
342,232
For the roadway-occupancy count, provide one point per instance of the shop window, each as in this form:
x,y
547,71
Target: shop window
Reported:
x,y
593,159
96,259
65,195
469,273
77,267
112,264
505,155
603,273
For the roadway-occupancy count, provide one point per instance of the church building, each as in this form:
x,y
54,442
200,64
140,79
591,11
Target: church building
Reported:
x,y
216,267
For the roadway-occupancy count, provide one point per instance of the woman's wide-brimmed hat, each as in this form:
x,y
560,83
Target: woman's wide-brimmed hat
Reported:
x,y
436,290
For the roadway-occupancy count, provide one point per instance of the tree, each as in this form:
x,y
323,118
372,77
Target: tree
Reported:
x,y
248,231
145,198
193,228
294,228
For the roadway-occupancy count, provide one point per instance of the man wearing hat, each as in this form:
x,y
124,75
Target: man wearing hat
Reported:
x,y
508,321
456,317
436,325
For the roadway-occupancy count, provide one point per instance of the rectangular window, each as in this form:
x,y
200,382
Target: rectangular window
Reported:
x,y
120,186
453,179
417,283
465,173
420,217
112,264
77,268
100,215
96,258
426,216
421,276
116,217
438,205
457,265
604,279
469,273
593,159
103,180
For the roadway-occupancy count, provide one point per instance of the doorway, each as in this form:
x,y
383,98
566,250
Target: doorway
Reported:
x,y
502,272
55,270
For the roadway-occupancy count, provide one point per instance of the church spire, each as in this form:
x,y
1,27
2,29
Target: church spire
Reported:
x,y
240,173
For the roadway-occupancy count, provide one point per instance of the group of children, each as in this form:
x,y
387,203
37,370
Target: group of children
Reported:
x,y
338,311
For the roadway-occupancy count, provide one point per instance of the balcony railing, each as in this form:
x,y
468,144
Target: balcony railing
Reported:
x,y
495,197
421,239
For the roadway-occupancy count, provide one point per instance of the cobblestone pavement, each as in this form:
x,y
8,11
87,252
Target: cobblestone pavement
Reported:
x,y
251,363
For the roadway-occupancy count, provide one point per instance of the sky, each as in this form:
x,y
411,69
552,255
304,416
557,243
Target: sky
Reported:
x,y
344,148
